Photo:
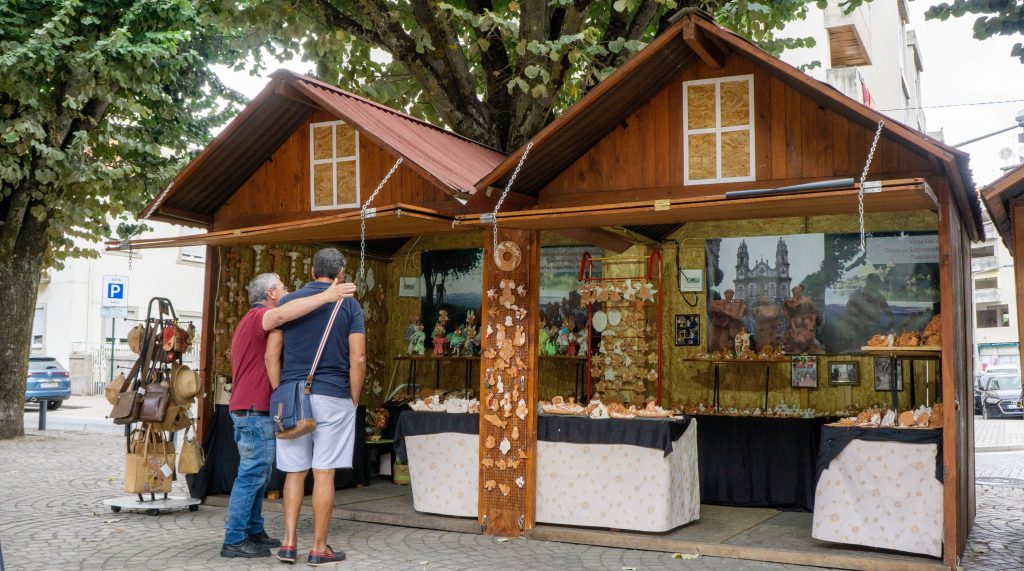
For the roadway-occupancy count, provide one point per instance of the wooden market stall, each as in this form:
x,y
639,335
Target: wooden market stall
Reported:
x,y
645,166
702,137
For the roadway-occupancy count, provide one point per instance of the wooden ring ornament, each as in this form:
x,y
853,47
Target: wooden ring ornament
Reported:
x,y
507,256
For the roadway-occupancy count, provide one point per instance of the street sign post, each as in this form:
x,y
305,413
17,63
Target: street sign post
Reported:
x,y
115,304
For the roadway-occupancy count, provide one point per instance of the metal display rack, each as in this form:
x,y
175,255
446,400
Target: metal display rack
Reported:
x,y
154,325
653,275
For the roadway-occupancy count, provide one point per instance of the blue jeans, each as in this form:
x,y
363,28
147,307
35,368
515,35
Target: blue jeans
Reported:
x,y
254,436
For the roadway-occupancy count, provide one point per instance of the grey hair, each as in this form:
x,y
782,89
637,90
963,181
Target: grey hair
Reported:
x,y
328,263
260,285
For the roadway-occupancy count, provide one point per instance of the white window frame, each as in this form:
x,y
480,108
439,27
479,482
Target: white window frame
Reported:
x,y
718,129
42,340
334,169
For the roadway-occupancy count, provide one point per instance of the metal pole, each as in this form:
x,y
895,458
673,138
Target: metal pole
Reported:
x,y
43,405
113,326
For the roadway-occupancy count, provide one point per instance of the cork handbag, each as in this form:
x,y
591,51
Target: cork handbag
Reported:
x,y
290,404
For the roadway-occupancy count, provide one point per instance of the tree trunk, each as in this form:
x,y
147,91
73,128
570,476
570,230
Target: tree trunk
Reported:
x,y
19,273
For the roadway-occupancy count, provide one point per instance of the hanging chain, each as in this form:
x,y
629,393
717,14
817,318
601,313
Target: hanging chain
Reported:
x,y
501,199
362,219
860,193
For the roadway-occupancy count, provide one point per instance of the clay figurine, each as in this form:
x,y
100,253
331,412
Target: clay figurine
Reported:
x,y
438,340
742,341
417,340
456,341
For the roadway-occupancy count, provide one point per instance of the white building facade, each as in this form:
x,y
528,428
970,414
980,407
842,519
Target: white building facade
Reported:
x,y
995,302
868,55
68,322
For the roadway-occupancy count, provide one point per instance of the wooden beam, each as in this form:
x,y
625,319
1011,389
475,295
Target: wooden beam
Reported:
x,y
484,200
288,91
706,50
1017,234
171,212
600,237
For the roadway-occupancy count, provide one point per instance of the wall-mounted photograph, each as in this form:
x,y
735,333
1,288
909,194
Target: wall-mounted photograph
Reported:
x,y
688,330
843,373
883,374
804,372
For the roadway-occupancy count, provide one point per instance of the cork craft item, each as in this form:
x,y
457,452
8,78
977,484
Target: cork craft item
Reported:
x,y
507,256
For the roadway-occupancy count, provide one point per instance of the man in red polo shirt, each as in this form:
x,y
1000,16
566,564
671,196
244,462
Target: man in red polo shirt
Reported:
x,y
244,535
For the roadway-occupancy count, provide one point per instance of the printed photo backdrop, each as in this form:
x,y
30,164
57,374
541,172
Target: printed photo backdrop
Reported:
x,y
453,280
893,287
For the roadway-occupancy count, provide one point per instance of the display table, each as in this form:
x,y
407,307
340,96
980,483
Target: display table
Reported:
x,y
754,461
639,474
880,487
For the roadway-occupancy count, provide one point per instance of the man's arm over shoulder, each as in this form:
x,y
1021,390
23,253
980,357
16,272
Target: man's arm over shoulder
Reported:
x,y
296,308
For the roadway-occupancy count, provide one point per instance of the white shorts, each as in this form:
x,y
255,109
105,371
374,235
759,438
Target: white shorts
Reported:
x,y
329,446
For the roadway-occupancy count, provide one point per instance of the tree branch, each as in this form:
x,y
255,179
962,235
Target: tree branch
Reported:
x,y
338,19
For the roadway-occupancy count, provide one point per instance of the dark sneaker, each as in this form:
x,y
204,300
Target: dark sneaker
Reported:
x,y
287,553
246,549
329,557
265,540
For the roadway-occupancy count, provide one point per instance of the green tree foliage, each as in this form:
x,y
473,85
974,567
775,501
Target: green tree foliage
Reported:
x,y
496,71
995,18
100,101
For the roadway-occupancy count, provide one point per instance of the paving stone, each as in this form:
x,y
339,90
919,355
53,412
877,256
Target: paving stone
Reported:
x,y
51,517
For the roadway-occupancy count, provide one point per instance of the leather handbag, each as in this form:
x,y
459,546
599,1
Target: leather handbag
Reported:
x,y
128,401
155,399
191,459
290,404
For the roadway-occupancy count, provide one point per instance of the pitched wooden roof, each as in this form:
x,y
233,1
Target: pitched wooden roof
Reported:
x,y
449,160
998,197
689,38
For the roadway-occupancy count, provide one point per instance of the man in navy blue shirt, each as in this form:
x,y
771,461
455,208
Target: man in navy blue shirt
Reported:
x,y
337,384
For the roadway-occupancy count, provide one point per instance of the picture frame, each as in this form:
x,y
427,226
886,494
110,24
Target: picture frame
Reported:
x,y
409,287
688,330
883,374
843,373
804,372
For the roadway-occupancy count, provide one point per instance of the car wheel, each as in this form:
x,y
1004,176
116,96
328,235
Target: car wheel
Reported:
x,y
53,404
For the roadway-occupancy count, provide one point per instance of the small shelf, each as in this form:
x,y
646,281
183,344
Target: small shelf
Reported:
x,y
923,351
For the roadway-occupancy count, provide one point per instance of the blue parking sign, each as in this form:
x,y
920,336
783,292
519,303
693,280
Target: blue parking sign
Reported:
x,y
115,291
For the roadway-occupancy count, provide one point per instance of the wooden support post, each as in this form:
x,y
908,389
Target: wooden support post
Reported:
x,y
208,344
508,386
1017,226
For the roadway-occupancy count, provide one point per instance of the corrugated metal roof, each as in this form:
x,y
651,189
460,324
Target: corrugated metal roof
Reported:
x,y
453,161
998,196
208,181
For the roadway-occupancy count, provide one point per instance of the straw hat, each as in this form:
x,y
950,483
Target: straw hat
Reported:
x,y
135,339
184,384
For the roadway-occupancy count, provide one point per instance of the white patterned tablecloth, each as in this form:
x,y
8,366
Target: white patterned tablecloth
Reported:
x,y
619,486
881,494
614,486
444,469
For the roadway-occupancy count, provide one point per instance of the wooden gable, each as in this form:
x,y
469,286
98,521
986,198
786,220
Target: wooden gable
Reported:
x,y
279,191
796,140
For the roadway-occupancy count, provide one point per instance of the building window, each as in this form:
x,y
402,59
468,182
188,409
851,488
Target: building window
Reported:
x,y
771,290
191,253
333,166
993,316
739,292
718,130
986,283
38,328
983,251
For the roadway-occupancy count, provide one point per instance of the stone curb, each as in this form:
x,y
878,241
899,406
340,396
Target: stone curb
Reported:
x,y
999,448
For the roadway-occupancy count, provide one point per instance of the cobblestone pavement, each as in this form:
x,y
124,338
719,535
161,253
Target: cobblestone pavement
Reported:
x,y
997,538
51,517
998,434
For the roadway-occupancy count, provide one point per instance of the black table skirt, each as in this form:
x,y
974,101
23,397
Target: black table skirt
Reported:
x,y
218,474
758,461
648,433
835,438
